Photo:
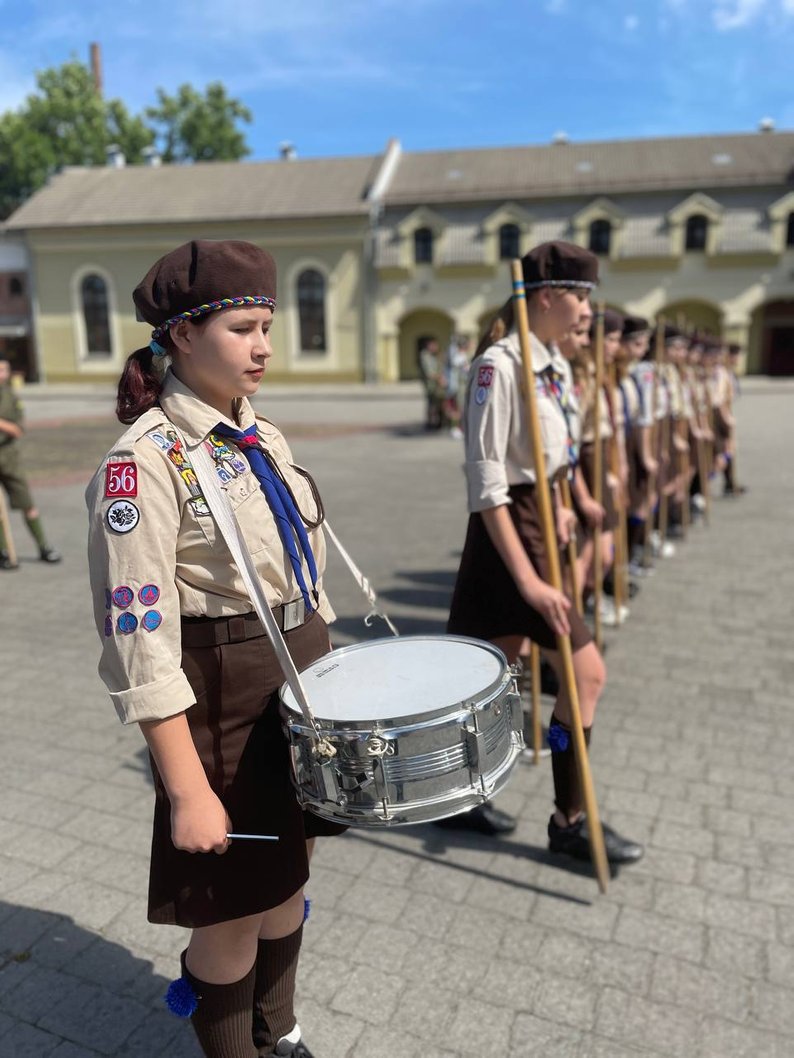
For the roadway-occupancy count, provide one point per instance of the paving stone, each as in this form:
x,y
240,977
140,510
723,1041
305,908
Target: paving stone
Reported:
x,y
718,1039
651,932
532,1036
662,1028
26,1041
703,991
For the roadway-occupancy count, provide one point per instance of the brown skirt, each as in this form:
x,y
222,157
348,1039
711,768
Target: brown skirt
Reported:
x,y
587,463
486,603
236,728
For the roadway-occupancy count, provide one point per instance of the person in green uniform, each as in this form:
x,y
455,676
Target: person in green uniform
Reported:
x,y
12,477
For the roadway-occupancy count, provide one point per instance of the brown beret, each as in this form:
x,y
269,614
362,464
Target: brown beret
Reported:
x,y
559,264
635,325
672,334
203,276
734,349
613,321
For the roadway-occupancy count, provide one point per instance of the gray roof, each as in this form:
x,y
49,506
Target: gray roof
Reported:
x,y
506,173
225,191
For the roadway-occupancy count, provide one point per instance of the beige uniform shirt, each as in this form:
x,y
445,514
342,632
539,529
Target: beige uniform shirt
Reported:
x,y
720,386
605,424
498,448
155,553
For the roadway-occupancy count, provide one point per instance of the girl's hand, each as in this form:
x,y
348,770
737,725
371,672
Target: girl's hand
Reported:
x,y
200,823
566,523
594,513
552,605
651,467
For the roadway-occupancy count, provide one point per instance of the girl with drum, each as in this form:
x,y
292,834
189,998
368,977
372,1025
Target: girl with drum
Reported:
x,y
183,653
502,593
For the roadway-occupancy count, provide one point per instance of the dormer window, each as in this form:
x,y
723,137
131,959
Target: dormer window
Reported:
x,y
509,240
697,229
600,239
423,246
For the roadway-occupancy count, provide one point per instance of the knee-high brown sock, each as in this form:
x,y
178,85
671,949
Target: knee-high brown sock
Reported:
x,y
568,795
222,1018
274,991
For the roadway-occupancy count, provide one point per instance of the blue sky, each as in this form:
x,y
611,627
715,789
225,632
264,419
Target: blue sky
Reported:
x,y
342,76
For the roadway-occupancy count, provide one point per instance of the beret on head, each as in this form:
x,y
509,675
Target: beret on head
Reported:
x,y
635,325
203,276
672,334
734,349
559,264
613,321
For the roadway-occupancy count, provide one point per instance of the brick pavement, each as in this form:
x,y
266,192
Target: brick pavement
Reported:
x,y
428,942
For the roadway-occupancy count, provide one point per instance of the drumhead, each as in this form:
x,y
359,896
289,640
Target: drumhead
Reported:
x,y
401,677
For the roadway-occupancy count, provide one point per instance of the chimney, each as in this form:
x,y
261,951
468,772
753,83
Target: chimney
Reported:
x,y
287,151
766,125
96,68
560,138
115,156
151,156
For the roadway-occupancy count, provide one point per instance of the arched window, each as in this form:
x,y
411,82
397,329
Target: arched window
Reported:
x,y
697,229
94,298
15,287
790,230
509,239
600,237
423,246
311,311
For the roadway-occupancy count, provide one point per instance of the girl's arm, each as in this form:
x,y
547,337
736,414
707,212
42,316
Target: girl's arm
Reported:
x,y
199,822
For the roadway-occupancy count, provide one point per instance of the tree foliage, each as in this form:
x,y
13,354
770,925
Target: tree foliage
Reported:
x,y
67,122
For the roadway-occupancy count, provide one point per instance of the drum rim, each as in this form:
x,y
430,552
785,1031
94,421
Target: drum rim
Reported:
x,y
485,694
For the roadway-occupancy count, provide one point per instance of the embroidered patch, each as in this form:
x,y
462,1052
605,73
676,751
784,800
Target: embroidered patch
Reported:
x,y
485,376
481,395
123,596
127,623
149,594
224,474
151,619
108,625
162,442
122,516
121,479
108,599
199,506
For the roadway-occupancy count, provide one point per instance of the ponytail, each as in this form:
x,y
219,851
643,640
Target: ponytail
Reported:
x,y
139,386
500,325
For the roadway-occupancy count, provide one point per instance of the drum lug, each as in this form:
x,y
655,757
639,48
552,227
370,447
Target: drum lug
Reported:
x,y
514,701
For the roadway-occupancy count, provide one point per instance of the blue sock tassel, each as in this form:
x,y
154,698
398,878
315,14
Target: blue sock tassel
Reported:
x,y
180,998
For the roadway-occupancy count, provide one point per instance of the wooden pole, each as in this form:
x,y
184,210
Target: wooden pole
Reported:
x,y
5,521
595,833
653,479
534,670
598,496
619,595
576,591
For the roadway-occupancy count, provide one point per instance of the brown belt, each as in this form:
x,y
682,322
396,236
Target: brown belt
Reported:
x,y
215,631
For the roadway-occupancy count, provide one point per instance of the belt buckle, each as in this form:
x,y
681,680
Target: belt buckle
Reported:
x,y
294,613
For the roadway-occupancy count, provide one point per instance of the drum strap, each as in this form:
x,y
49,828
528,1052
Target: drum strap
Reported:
x,y
221,510
366,588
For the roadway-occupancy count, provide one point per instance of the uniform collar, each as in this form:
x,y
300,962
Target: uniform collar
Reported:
x,y
541,357
194,419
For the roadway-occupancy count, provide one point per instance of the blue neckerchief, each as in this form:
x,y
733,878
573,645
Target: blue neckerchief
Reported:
x,y
552,382
288,520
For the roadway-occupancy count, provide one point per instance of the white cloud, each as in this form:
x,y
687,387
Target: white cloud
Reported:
x,y
734,14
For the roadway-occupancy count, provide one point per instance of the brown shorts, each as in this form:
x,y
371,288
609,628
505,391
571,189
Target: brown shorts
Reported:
x,y
236,728
13,480
587,463
486,603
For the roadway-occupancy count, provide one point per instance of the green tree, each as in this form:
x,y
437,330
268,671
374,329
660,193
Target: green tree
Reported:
x,y
199,128
65,122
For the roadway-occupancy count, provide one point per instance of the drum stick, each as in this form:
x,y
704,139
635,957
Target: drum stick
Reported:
x,y
5,521
534,669
253,837
654,479
565,492
595,833
598,468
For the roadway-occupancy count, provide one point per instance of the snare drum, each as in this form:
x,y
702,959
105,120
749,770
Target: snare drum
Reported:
x,y
424,727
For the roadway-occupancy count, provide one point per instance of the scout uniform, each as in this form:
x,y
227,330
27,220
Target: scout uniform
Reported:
x,y
12,476
179,635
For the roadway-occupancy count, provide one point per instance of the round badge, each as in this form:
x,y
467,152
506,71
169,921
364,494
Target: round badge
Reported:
x,y
127,623
123,596
122,516
149,594
481,395
152,619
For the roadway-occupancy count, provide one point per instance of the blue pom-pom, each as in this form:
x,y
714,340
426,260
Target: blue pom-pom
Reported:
x,y
156,348
181,999
558,738
307,907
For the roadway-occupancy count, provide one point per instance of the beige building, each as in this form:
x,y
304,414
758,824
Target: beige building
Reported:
x,y
376,252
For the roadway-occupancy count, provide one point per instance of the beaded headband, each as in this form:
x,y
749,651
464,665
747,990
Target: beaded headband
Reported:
x,y
585,283
202,310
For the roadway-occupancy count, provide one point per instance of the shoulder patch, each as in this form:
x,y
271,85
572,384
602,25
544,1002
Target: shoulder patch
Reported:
x,y
122,516
485,376
121,479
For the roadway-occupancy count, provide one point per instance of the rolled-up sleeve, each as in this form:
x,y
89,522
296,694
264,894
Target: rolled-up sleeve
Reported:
x,y
134,520
488,425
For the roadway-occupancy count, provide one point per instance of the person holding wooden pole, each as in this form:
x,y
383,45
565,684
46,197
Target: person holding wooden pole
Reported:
x,y
508,585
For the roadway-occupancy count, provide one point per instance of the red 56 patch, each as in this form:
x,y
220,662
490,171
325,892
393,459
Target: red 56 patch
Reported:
x,y
485,376
121,479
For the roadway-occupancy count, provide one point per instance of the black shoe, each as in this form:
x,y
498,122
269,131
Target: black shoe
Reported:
x,y
5,561
292,1050
484,819
49,554
675,531
574,841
